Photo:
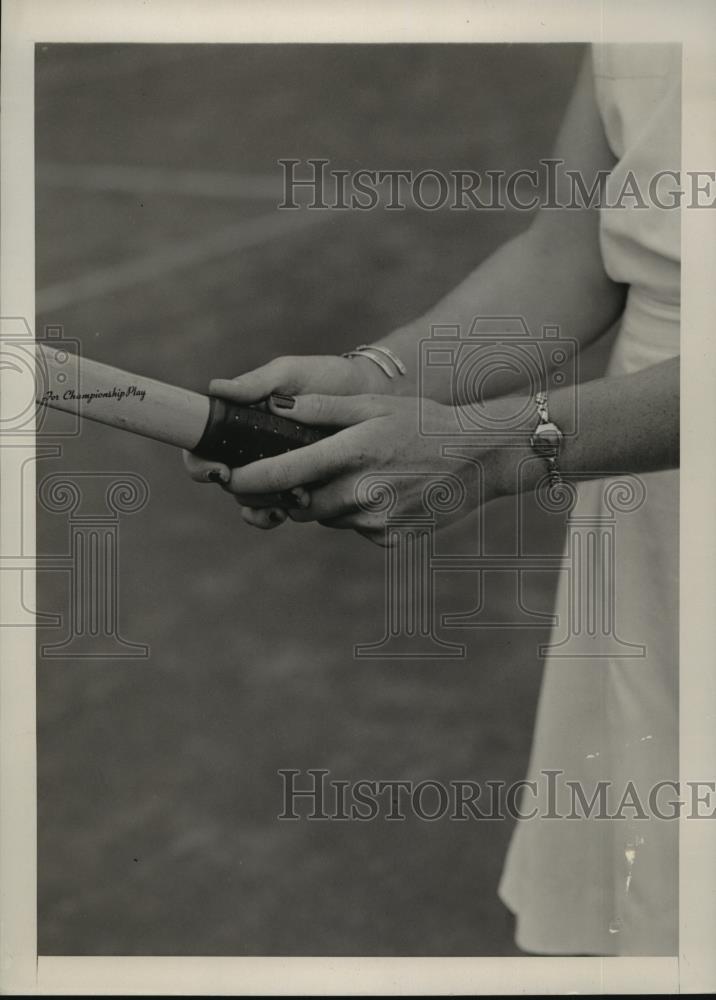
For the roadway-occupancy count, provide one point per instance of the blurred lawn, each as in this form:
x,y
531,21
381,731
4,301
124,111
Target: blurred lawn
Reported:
x,y
158,790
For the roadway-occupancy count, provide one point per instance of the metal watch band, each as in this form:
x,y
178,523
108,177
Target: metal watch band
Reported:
x,y
546,440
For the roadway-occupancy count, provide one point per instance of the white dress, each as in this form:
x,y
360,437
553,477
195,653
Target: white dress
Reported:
x,y
609,886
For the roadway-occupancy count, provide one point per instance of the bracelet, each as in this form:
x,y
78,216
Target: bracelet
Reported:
x,y
546,440
374,352
388,353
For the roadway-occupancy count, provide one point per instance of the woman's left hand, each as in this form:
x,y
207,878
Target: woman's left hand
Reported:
x,y
380,434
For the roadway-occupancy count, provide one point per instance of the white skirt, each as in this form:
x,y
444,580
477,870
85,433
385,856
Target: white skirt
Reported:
x,y
605,881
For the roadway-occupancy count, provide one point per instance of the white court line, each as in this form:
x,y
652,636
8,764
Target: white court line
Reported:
x,y
217,184
161,181
172,257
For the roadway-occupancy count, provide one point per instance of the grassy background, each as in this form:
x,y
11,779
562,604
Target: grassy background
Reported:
x,y
158,792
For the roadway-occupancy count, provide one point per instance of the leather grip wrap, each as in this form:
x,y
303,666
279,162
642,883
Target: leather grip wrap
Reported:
x,y
237,435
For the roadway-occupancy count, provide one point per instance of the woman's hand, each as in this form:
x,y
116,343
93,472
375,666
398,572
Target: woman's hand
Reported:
x,y
293,376
286,377
380,436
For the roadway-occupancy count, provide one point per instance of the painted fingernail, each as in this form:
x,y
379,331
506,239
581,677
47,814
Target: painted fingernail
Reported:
x,y
303,497
287,499
217,476
283,402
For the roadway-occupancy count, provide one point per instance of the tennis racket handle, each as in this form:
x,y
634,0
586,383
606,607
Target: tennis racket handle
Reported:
x,y
216,429
237,435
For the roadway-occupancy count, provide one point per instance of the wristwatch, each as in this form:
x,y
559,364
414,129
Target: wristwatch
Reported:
x,y
546,440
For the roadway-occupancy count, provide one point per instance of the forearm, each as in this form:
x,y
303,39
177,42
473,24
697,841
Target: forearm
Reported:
x,y
547,276
626,424
552,274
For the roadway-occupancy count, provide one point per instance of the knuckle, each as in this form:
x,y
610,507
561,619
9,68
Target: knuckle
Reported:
x,y
277,366
318,406
348,499
286,373
373,402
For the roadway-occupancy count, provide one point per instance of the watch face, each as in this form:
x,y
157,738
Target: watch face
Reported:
x,y
546,440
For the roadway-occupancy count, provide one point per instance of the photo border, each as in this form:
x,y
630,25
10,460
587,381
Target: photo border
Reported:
x,y
693,23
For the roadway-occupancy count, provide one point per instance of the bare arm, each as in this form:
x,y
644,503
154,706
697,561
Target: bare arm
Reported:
x,y
627,423
550,274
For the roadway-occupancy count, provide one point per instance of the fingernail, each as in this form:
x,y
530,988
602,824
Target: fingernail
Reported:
x,y
282,401
217,476
303,497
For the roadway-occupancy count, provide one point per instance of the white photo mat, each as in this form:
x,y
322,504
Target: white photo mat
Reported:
x,y
26,22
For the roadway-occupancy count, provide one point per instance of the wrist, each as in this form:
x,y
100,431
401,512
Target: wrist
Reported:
x,y
501,428
368,378
531,445
514,468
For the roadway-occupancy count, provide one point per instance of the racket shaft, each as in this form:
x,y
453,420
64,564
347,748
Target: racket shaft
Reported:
x,y
121,399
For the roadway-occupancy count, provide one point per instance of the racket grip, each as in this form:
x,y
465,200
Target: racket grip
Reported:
x,y
237,435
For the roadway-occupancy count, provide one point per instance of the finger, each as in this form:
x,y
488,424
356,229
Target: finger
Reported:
x,y
266,519
378,536
297,498
313,463
346,523
336,411
335,500
353,522
282,374
203,471
301,496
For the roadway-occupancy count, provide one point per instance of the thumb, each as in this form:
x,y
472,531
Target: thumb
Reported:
x,y
335,411
203,471
281,374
